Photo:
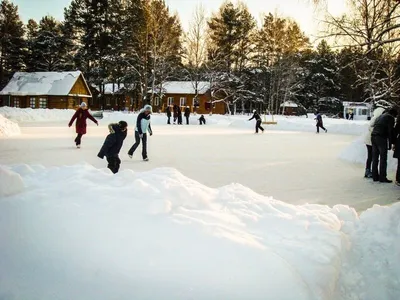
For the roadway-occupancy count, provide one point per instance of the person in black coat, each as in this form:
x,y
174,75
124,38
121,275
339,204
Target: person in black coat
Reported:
x,y
258,121
169,115
202,120
179,116
187,114
396,148
113,144
320,123
175,109
382,138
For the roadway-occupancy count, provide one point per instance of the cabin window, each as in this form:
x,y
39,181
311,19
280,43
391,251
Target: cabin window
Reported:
x,y
157,101
170,101
32,102
183,101
16,102
42,103
364,112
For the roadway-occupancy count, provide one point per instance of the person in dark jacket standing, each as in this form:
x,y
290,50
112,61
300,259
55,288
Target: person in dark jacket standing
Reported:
x,y
113,144
382,138
169,115
179,116
175,109
187,114
81,115
258,121
142,127
396,148
320,123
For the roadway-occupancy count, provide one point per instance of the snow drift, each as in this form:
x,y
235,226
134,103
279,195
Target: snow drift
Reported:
x,y
285,123
160,235
8,128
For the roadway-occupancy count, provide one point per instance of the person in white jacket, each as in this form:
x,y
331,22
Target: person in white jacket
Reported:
x,y
377,113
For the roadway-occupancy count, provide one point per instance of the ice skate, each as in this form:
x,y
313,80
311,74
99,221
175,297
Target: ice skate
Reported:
x,y
146,159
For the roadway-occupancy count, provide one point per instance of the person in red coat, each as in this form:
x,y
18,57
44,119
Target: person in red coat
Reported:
x,y
81,115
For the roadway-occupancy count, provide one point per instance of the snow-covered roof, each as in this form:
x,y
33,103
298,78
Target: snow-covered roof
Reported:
x,y
41,84
112,88
184,87
289,104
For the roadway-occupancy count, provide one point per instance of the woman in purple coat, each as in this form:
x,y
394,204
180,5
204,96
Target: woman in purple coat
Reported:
x,y
81,115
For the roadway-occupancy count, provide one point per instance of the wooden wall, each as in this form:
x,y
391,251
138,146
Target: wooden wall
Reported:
x,y
80,88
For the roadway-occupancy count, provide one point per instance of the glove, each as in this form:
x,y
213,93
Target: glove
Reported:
x,y
99,156
151,133
69,125
97,123
141,135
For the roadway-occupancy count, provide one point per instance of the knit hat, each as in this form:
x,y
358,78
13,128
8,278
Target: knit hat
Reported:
x,y
148,108
83,104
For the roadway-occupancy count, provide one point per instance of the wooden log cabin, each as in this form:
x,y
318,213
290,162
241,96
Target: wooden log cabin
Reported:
x,y
183,94
62,90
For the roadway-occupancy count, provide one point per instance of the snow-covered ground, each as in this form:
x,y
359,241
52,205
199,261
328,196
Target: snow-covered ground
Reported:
x,y
8,128
198,220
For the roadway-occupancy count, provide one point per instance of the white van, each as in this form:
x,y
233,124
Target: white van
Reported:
x,y
361,111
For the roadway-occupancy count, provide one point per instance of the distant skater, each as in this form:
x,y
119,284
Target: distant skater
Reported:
x,y
169,115
320,123
187,114
175,109
113,144
396,148
142,127
179,116
258,121
81,115
202,120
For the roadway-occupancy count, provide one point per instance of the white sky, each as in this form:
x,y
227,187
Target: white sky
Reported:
x,y
300,10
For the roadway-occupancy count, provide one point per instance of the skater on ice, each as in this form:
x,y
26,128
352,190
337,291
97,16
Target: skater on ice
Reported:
x,y
175,109
187,114
169,115
258,121
81,115
202,120
320,123
368,165
113,144
142,127
382,138
179,116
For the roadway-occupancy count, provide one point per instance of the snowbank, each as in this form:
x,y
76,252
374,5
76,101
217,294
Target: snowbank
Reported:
x,y
160,235
36,115
356,153
10,182
285,123
8,128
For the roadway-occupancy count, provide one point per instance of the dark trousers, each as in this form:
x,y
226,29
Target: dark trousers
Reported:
x,y
320,125
179,120
169,120
113,163
78,139
202,122
369,158
379,157
258,126
137,143
187,120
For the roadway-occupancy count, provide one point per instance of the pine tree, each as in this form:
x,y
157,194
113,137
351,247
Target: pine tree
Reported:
x,y
31,35
48,47
12,43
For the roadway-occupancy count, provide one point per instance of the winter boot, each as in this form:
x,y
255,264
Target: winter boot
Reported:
x,y
368,173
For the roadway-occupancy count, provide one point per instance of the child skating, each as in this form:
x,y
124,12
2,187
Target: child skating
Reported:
x,y
142,127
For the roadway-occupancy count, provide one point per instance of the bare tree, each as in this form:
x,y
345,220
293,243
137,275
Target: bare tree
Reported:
x,y
196,48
